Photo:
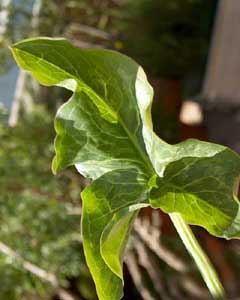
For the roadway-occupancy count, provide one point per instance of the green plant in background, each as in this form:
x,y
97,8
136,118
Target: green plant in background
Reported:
x,y
105,130
32,202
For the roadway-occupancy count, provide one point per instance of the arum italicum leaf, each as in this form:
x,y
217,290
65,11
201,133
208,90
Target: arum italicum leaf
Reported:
x,y
105,130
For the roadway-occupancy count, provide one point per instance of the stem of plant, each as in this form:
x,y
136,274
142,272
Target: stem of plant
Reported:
x,y
203,263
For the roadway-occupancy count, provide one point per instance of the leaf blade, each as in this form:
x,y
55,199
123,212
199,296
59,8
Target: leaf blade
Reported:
x,y
106,130
213,167
110,84
113,192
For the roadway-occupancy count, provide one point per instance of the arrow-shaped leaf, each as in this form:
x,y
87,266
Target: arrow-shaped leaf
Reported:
x,y
105,130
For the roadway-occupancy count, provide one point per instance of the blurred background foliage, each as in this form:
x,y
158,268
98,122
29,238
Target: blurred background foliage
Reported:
x,y
39,213
173,35
169,38
41,255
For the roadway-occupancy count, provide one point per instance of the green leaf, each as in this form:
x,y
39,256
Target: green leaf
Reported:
x,y
98,130
201,189
196,179
105,201
105,130
101,114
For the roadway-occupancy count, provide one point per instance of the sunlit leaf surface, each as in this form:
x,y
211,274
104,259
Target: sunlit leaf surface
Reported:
x,y
105,130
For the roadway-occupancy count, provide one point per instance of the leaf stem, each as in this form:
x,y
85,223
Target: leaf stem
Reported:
x,y
203,263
